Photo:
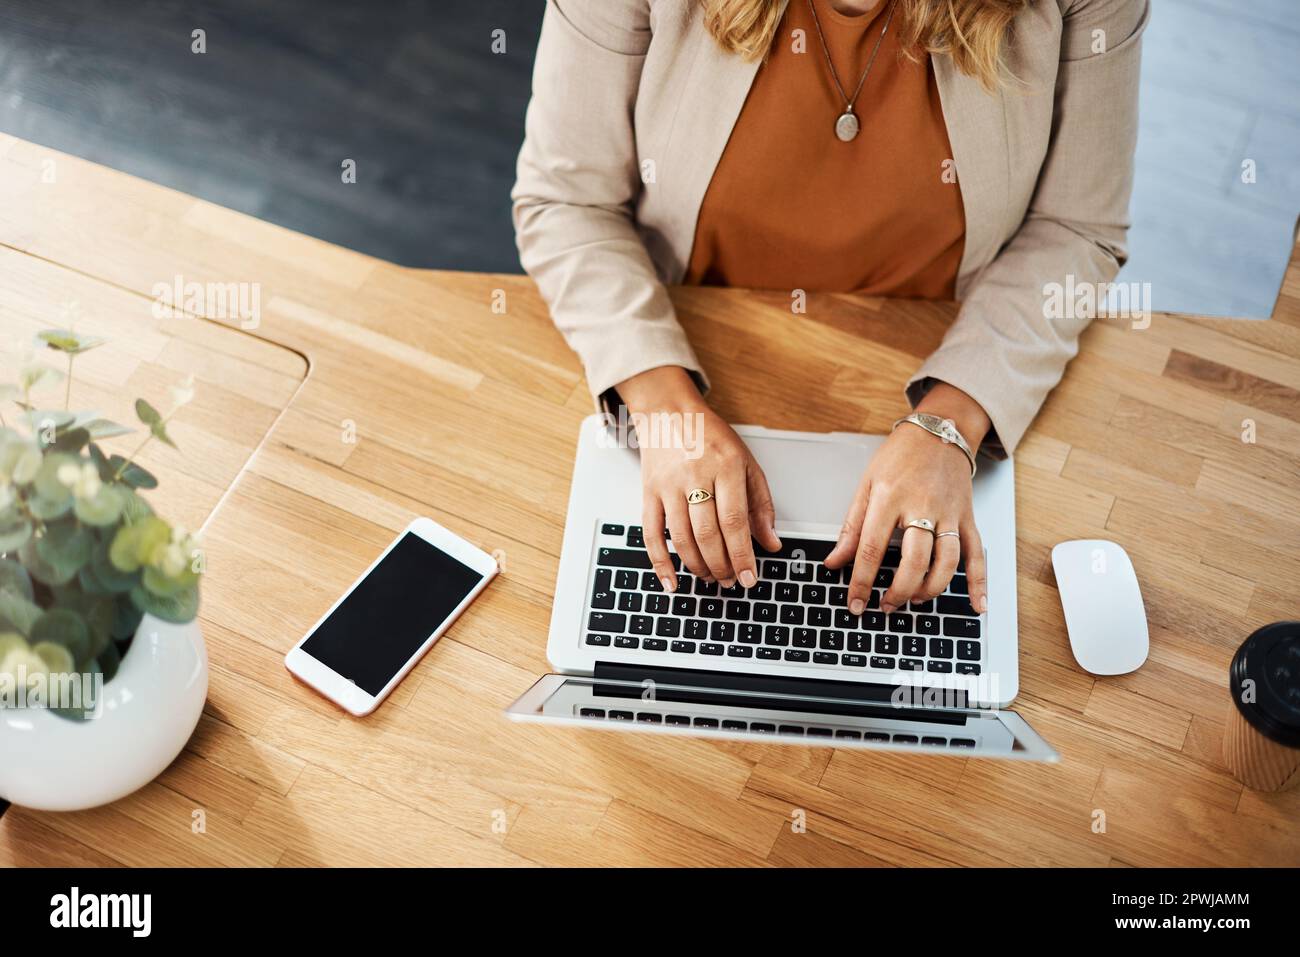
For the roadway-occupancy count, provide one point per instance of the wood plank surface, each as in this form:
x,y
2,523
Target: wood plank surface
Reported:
x,y
369,394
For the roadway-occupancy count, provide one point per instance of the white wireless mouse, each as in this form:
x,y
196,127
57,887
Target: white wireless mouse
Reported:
x,y
1104,614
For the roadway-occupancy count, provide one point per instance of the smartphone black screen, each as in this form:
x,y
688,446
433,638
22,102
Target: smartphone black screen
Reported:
x,y
391,613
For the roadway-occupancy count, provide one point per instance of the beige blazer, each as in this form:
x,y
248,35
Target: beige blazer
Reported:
x,y
1045,170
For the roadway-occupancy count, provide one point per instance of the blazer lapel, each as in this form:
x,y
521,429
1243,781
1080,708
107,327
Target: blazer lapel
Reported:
x,y
977,133
714,96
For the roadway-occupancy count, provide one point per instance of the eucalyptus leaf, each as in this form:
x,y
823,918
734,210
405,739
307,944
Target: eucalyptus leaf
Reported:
x,y
103,509
105,429
17,612
15,530
14,578
65,547
178,608
65,340
47,510
70,440
47,484
20,459
134,545
147,413
134,507
126,617
104,576
65,627
43,571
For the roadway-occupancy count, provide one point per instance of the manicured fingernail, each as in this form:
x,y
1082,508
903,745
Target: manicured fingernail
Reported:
x,y
747,578
983,604
669,583
856,606
727,583
887,607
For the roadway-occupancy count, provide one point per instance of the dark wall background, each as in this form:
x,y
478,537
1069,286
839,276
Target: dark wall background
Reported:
x,y
285,92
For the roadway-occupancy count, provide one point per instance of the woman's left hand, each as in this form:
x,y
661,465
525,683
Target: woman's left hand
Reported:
x,y
917,475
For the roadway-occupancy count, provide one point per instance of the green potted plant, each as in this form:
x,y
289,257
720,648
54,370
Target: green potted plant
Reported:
x,y
103,672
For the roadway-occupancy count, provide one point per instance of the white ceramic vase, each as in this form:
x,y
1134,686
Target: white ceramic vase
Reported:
x,y
149,711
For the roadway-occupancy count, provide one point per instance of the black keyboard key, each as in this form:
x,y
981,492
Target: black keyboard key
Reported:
x,y
764,611
955,605
819,732
620,716
750,633
641,625
708,648
967,668
722,631
627,641
939,667
827,576
623,557
814,594
832,640
762,591
884,578
838,597
677,719
733,725
635,537
629,601
877,661
925,606
650,583
790,729
913,645
607,621
709,589
961,627
962,743
805,638
654,644
657,604
910,664
683,647
900,622
592,712
940,647
892,557
603,587
609,528
819,616
875,736
625,579
854,661
706,722
888,645
683,606
684,583
825,658
772,569
927,625
958,585
849,735
777,635
737,610
905,739
768,654
873,621
695,628
787,591
601,641
934,740
733,591
801,571
791,614
668,627
711,607
649,717
762,727
968,650
740,651
859,641
794,654
846,621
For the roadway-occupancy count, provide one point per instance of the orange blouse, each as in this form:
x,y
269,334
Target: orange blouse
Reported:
x,y
790,206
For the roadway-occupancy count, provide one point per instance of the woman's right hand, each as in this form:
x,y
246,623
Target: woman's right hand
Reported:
x,y
685,445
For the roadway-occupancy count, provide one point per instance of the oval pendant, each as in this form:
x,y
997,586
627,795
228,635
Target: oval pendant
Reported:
x,y
846,127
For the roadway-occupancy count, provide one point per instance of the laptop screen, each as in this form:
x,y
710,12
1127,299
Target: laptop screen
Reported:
x,y
648,706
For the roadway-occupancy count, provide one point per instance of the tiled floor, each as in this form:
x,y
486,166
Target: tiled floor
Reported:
x,y
1220,86
434,119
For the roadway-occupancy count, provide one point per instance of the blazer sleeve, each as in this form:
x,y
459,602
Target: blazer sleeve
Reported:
x,y
1001,350
577,181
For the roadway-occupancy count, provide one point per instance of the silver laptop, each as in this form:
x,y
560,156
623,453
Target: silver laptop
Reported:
x,y
784,659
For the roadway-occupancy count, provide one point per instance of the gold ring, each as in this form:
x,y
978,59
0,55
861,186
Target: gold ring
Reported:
x,y
922,523
697,496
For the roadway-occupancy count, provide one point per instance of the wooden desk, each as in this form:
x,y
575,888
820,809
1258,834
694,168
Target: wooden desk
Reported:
x,y
470,416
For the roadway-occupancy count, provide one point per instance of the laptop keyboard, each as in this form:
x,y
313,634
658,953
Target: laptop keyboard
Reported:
x,y
797,613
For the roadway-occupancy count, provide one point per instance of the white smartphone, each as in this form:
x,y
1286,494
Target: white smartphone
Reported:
x,y
404,602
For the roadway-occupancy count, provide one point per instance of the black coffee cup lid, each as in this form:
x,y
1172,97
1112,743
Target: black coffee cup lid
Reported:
x,y
1270,660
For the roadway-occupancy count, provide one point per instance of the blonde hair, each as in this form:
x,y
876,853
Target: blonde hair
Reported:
x,y
972,32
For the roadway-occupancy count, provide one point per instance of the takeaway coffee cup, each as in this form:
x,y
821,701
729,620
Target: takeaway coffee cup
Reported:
x,y
1262,743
